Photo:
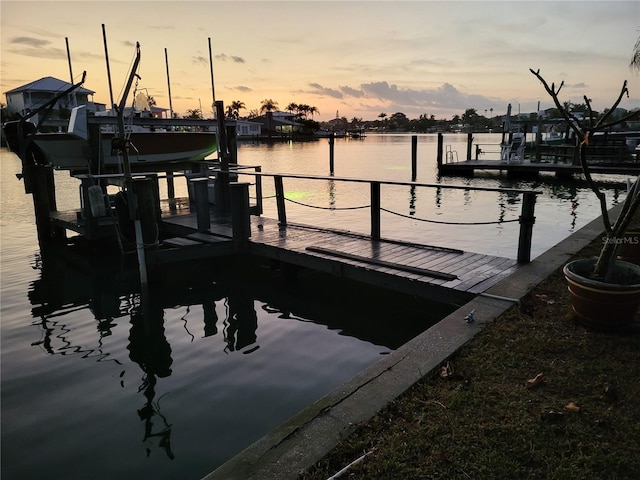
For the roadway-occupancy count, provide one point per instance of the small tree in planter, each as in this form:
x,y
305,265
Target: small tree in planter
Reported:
x,y
606,271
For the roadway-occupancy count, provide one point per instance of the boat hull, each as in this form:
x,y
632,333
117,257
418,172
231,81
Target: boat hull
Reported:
x,y
69,151
161,147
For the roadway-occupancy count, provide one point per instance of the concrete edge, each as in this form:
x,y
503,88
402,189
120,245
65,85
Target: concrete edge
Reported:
x,y
308,436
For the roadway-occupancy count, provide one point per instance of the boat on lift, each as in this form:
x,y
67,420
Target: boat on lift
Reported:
x,y
96,144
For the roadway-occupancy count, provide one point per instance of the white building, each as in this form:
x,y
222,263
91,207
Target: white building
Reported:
x,y
29,97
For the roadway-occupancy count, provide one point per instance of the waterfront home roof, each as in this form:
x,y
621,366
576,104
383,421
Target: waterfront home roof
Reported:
x,y
48,84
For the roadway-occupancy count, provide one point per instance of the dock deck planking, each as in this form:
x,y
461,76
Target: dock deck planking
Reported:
x,y
401,266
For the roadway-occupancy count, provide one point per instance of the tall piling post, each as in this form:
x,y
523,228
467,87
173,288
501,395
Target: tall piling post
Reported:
x,y
332,142
414,157
375,210
440,151
201,188
469,144
527,219
282,212
240,220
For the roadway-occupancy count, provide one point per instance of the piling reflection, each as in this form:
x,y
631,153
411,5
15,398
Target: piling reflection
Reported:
x,y
97,312
241,324
149,348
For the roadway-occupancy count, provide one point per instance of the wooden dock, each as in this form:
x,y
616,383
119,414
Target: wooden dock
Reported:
x,y
532,168
442,274
526,160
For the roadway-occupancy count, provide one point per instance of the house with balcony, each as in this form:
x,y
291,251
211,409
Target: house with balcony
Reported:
x,y
27,98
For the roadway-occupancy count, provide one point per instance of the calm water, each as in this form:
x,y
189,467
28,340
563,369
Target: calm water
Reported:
x,y
99,382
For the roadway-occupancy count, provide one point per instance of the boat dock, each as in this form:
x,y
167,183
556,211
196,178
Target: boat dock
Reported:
x,y
195,228
436,273
515,157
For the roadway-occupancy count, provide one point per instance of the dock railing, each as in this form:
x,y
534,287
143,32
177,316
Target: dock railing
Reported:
x,y
526,218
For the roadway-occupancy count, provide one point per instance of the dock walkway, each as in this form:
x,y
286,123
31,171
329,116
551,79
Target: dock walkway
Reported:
x,y
527,167
436,273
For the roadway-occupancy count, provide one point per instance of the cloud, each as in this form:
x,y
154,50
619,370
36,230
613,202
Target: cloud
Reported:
x,y
445,97
242,88
30,41
224,57
329,92
200,60
351,92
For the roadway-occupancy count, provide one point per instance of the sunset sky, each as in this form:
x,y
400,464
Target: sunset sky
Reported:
x,y
354,58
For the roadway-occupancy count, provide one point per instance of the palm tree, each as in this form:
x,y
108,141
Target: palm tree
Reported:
x,y
313,110
235,107
292,107
382,117
268,105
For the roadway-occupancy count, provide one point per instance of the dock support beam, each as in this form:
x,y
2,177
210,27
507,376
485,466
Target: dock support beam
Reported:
x,y
469,144
527,219
375,210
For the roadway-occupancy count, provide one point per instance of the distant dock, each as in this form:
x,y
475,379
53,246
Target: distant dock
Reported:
x,y
516,157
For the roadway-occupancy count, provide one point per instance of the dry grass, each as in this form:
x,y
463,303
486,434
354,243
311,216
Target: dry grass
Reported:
x,y
483,422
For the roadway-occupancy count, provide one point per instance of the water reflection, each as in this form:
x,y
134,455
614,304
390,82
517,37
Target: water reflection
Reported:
x,y
241,324
216,324
149,348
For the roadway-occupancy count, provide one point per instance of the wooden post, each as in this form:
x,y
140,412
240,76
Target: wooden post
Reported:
x,y
414,157
375,210
222,179
527,219
282,213
201,188
258,191
232,144
43,194
440,146
240,221
171,190
332,141
469,144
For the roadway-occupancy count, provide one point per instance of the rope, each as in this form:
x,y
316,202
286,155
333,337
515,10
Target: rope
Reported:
x,y
326,208
495,222
449,223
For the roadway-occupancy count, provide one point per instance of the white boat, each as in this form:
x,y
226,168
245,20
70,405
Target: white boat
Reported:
x,y
100,143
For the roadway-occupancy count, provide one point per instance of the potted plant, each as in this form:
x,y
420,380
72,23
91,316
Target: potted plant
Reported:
x,y
604,291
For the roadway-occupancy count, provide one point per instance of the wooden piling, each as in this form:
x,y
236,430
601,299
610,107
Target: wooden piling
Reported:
x,y
282,212
375,210
414,157
201,188
440,151
527,219
332,141
240,222
469,144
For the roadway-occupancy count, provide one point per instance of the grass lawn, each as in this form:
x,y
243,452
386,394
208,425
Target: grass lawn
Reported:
x,y
479,419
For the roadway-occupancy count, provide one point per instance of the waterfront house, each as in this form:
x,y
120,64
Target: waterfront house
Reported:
x,y
279,123
26,98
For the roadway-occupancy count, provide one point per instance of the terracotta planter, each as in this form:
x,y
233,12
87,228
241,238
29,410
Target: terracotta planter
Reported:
x,y
604,306
629,250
